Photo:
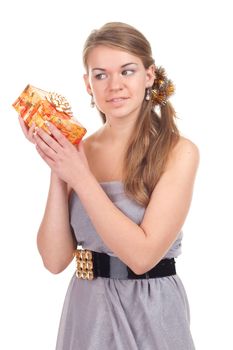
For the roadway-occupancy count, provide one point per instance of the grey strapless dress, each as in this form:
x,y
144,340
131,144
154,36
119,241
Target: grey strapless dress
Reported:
x,y
114,314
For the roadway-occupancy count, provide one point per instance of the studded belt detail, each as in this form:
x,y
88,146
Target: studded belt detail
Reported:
x,y
91,264
84,264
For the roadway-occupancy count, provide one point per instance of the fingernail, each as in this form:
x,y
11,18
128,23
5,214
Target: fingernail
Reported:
x,y
35,131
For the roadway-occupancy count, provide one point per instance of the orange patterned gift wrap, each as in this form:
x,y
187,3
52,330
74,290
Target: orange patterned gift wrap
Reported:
x,y
36,105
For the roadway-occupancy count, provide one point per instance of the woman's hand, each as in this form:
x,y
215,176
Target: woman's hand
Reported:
x,y
28,132
67,161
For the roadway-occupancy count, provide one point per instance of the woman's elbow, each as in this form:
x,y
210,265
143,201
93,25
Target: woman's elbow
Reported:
x,y
54,270
55,267
138,268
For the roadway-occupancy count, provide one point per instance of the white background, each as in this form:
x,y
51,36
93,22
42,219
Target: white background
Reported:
x,y
41,44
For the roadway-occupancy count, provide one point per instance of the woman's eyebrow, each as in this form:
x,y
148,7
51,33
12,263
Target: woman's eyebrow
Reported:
x,y
124,65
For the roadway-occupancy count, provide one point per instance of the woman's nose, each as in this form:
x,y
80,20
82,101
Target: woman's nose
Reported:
x,y
115,82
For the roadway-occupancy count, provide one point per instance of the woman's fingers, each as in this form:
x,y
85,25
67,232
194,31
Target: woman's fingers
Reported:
x,y
48,160
61,139
46,143
28,132
23,125
31,131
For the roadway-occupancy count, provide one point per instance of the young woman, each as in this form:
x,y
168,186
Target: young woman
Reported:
x,y
119,201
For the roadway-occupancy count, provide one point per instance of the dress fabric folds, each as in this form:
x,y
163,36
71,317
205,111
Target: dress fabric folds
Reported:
x,y
118,314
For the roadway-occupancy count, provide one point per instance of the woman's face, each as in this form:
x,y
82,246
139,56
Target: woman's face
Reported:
x,y
117,80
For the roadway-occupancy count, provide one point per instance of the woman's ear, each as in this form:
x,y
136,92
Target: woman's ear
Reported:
x,y
87,83
150,75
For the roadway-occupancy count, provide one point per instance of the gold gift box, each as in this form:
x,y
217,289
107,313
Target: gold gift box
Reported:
x,y
36,105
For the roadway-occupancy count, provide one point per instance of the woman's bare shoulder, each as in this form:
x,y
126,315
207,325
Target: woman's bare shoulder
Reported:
x,y
186,144
185,149
92,139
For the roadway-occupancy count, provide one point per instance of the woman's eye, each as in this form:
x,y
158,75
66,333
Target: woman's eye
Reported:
x,y
100,76
127,72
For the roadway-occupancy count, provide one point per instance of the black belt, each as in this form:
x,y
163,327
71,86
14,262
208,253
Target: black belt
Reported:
x,y
92,264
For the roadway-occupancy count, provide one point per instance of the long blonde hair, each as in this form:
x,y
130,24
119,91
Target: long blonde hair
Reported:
x,y
154,134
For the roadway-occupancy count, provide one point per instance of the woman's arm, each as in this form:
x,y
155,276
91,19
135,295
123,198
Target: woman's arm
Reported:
x,y
55,239
142,246
139,246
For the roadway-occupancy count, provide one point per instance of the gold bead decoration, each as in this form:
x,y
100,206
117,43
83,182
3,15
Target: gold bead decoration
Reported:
x,y
90,275
89,265
84,275
88,255
84,264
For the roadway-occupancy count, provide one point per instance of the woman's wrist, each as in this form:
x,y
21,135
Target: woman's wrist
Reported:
x,y
54,178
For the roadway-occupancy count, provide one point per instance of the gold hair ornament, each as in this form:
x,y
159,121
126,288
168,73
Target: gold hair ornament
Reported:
x,y
162,88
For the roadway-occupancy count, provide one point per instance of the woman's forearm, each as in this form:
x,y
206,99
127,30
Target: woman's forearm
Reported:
x,y
55,240
120,234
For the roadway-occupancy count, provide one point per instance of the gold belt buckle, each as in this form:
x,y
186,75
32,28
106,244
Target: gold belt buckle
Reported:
x,y
84,264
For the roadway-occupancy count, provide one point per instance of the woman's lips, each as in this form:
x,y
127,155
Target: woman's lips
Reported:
x,y
117,100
